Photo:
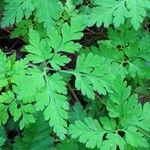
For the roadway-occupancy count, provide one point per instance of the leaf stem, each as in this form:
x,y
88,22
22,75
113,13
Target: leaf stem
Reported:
x,y
100,100
73,93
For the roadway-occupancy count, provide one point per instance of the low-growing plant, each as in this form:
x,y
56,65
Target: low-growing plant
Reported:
x,y
63,93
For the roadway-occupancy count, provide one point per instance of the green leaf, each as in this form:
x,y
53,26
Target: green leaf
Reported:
x,y
138,54
63,41
36,136
124,35
133,118
9,103
5,101
117,12
114,56
145,117
113,141
2,136
16,10
67,145
4,69
24,112
21,29
138,115
77,113
128,52
137,11
23,80
28,111
135,138
49,93
51,12
139,68
88,132
118,97
53,101
108,124
92,74
94,108
70,10
58,61
38,49
144,47
108,50
77,2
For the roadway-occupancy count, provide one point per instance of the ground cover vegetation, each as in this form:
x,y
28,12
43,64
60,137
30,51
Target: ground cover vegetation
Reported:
x,y
74,74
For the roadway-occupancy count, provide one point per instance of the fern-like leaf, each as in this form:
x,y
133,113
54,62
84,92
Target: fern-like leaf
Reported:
x,y
88,132
51,12
64,41
15,10
117,11
52,99
92,74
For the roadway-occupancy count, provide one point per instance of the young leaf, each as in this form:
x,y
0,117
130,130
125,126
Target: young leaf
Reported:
x,y
138,55
127,56
124,35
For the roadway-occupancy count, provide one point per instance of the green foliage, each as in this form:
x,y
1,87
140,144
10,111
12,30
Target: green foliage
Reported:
x,y
69,144
2,135
55,101
22,29
15,11
52,11
76,86
63,41
38,49
35,136
77,113
89,132
133,122
92,75
117,11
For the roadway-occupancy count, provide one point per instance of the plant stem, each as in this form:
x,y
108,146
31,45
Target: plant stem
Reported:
x,y
73,93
